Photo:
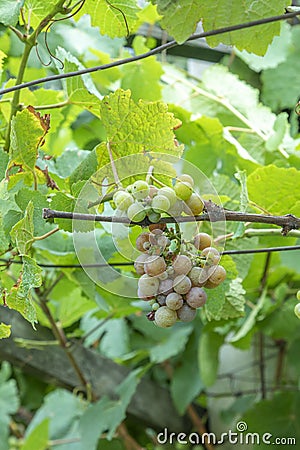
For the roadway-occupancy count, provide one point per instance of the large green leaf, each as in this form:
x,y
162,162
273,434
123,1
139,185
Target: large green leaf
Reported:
x,y
9,403
209,346
275,93
115,18
38,438
26,135
35,10
9,11
227,12
275,418
180,17
20,296
275,189
135,127
22,232
106,414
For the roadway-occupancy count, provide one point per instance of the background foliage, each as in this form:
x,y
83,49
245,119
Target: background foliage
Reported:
x,y
239,127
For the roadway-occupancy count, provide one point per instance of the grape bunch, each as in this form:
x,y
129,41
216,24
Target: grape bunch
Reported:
x,y
141,200
173,273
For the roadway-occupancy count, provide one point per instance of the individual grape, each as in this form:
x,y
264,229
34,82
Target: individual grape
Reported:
x,y
186,178
165,286
136,212
169,193
165,317
186,313
198,276
194,204
216,274
210,285
170,271
148,286
161,299
154,235
298,295
174,301
155,306
182,265
182,284
140,189
196,297
123,200
139,264
152,191
183,190
160,204
155,265
176,209
157,226
297,310
163,276
153,216
142,239
212,256
202,241
163,242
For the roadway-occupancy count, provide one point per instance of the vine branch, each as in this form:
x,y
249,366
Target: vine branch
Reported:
x,y
214,213
152,52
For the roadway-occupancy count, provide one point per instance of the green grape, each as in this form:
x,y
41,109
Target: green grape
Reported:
x,y
174,301
155,306
186,178
202,240
182,284
155,265
212,256
160,204
169,193
297,310
186,313
123,200
298,295
136,212
183,190
141,240
161,299
182,265
196,297
140,189
165,317
216,274
194,204
148,286
154,217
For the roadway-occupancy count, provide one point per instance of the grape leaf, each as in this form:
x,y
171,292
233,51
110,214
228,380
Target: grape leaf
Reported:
x,y
4,330
172,345
182,392
35,10
63,202
106,414
180,17
9,11
227,12
115,18
136,127
270,187
22,232
79,90
275,93
209,346
9,403
26,135
38,438
20,297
